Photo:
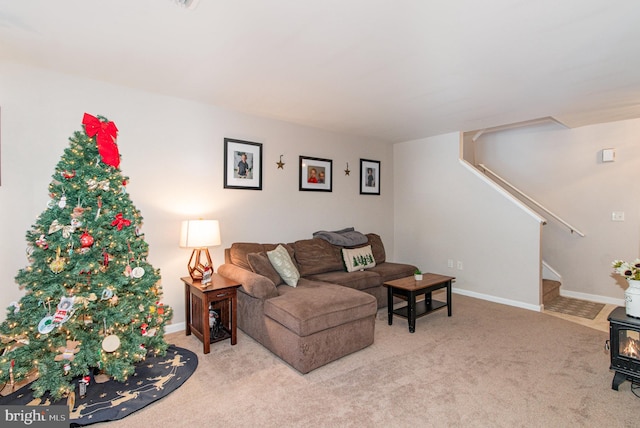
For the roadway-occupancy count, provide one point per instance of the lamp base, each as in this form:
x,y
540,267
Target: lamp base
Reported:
x,y
200,265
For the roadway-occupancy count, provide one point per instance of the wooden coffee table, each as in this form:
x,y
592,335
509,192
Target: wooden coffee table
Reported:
x,y
409,288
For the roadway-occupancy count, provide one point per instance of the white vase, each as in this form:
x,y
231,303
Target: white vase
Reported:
x,y
418,277
632,298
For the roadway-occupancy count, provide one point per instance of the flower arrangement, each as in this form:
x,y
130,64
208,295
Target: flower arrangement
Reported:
x,y
631,271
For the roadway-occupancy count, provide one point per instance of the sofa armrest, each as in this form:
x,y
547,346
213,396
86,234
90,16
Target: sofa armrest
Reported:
x,y
253,284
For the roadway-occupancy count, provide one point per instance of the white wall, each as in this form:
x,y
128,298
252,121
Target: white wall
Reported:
x,y
172,151
562,169
443,211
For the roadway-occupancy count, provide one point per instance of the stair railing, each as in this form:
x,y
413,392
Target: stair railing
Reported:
x,y
531,200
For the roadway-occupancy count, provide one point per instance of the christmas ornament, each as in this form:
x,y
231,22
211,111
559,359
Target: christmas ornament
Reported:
x,y
76,223
95,184
99,207
77,212
68,352
13,342
82,386
68,175
45,325
137,272
57,265
64,310
111,343
127,271
160,308
346,171
66,230
107,294
120,221
41,242
143,329
16,306
106,134
86,240
280,163
67,369
63,202
106,258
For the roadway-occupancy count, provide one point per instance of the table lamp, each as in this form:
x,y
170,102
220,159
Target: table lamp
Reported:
x,y
200,234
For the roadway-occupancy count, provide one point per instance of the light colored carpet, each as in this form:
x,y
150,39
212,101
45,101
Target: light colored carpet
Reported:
x,y
488,365
575,307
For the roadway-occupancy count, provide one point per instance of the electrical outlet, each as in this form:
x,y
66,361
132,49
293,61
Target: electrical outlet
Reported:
x,y
459,265
617,216
450,263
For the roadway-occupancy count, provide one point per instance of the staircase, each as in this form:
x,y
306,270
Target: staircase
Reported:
x,y
550,290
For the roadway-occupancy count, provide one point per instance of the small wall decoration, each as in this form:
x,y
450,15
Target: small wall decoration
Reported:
x,y
316,174
369,177
242,164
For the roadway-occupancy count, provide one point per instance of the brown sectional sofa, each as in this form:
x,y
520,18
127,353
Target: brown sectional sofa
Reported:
x,y
329,314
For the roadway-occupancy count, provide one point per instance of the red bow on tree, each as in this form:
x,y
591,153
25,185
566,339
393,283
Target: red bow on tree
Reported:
x,y
120,221
106,134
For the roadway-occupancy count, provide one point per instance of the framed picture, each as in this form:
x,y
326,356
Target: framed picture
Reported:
x,y
316,174
242,164
369,177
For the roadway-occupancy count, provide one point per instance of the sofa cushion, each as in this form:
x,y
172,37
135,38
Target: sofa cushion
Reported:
x,y
239,251
358,258
377,247
315,306
282,263
261,265
359,280
317,256
390,271
253,284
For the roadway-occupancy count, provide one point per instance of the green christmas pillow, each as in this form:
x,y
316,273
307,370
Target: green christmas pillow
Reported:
x,y
358,258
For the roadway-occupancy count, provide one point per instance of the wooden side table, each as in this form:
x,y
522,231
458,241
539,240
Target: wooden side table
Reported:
x,y
221,292
409,288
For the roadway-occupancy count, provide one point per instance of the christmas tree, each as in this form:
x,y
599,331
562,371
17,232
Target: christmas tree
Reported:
x,y
92,301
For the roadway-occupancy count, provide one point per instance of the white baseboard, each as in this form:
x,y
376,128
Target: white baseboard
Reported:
x,y
173,328
592,297
517,304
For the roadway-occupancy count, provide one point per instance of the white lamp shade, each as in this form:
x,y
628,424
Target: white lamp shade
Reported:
x,y
200,233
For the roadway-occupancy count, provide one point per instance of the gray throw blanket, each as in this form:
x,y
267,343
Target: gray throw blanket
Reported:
x,y
347,237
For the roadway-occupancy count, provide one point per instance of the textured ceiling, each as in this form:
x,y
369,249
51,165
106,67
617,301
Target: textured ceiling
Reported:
x,y
394,70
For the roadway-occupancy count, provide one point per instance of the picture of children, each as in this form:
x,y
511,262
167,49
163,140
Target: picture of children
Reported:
x,y
244,165
315,174
371,182
312,177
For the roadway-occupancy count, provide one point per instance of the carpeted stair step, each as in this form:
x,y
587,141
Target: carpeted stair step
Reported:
x,y
550,290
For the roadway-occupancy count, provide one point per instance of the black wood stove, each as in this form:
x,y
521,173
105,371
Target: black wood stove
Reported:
x,y
624,340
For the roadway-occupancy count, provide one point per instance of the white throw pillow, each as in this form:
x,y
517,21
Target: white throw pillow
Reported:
x,y
282,263
358,258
